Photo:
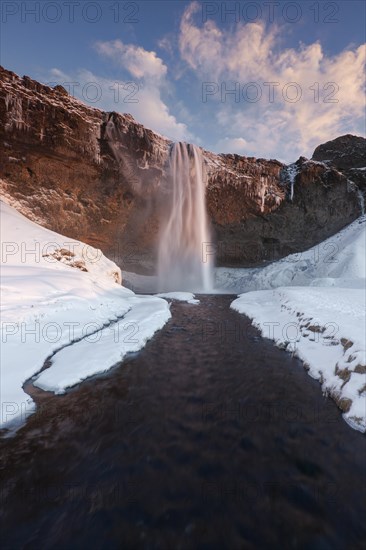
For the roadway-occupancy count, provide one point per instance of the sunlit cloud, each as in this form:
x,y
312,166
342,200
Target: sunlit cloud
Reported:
x,y
329,89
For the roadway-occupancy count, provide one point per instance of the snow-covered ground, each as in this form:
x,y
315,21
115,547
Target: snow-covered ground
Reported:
x,y
337,261
56,291
179,296
317,312
62,299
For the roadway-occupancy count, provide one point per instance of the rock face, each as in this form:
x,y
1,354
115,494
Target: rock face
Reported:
x,y
344,152
96,176
323,201
73,168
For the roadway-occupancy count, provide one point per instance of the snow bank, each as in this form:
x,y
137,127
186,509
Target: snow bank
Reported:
x,y
325,328
323,323
25,243
338,261
98,352
180,296
56,291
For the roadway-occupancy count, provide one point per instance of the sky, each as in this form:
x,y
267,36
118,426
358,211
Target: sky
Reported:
x,y
268,78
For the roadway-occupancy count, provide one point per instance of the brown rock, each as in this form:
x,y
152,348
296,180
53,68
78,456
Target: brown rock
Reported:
x,y
95,176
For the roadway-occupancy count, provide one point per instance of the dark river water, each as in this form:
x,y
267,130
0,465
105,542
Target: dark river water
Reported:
x,y
210,437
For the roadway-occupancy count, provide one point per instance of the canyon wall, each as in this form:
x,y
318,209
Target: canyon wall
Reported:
x,y
95,176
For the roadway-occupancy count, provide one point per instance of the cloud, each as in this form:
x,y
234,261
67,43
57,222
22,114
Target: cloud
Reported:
x,y
167,96
144,104
138,62
150,75
210,50
232,145
166,44
253,52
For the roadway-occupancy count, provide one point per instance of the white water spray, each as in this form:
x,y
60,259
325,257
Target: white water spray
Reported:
x,y
185,259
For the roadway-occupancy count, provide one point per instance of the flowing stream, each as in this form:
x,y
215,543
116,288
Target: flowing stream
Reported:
x,y
210,437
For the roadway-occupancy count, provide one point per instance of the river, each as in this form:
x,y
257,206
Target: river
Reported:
x,y
210,437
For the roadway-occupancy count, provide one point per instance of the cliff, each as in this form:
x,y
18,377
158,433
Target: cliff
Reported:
x,y
95,176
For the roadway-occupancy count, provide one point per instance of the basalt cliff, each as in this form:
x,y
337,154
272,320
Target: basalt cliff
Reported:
x,y
95,176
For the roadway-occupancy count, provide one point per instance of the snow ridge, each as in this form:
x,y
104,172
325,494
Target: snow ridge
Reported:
x,y
323,321
56,292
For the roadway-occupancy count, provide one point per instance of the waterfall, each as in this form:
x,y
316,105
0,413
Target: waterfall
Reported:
x,y
184,259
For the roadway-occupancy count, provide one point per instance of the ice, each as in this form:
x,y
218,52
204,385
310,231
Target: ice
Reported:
x,y
292,171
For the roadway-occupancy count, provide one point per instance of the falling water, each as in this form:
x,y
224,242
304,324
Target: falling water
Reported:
x,y
184,259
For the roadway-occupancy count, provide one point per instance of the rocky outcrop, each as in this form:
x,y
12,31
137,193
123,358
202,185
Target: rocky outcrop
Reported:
x,y
345,152
95,176
72,168
319,201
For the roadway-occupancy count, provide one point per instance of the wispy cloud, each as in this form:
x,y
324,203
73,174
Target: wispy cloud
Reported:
x,y
150,74
233,145
139,93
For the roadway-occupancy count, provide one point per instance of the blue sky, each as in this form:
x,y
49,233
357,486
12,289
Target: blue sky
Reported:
x,y
296,69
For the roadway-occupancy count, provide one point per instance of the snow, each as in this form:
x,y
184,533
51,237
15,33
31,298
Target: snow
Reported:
x,y
180,296
56,291
338,261
322,321
99,351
